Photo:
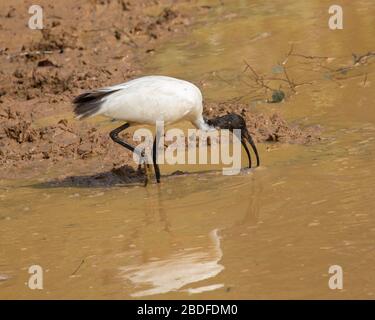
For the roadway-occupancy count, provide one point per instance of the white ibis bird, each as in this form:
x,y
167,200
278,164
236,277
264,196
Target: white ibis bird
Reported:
x,y
149,99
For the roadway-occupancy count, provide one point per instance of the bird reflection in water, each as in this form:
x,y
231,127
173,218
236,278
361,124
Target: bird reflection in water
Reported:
x,y
178,270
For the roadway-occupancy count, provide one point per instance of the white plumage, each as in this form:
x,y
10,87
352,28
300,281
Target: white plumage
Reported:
x,y
146,100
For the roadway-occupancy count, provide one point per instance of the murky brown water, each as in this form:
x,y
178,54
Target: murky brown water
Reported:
x,y
269,233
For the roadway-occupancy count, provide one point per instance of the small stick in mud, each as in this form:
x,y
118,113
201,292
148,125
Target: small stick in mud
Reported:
x,y
150,99
79,266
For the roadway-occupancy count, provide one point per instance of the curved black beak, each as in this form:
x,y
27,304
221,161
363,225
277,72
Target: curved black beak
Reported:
x,y
245,134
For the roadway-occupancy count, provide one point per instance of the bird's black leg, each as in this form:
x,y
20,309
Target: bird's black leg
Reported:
x,y
243,142
154,158
114,136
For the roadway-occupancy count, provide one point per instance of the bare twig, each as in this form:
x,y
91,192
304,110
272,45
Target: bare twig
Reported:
x,y
291,83
360,59
79,266
259,80
308,57
318,63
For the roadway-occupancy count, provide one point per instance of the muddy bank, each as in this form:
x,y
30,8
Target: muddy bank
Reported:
x,y
83,45
78,143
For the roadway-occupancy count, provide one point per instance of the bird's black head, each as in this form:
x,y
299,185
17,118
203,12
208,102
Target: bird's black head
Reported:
x,y
233,121
229,121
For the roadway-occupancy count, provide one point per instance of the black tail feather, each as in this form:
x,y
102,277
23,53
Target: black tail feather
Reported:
x,y
88,103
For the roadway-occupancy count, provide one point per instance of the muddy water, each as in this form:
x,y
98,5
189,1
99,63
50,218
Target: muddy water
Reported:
x,y
268,233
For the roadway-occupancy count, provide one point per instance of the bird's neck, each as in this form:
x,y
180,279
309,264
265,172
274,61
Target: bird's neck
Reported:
x,y
202,125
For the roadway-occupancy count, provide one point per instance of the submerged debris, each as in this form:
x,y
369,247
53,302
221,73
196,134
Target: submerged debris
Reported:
x,y
277,96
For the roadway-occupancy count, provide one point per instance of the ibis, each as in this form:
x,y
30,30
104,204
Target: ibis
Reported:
x,y
149,99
